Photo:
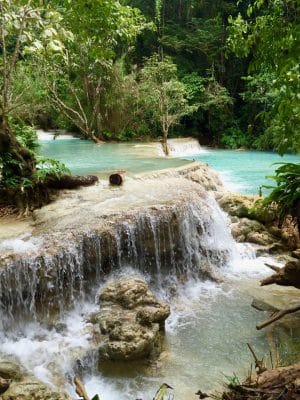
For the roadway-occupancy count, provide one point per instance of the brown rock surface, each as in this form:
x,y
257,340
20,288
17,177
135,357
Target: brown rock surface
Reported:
x,y
129,321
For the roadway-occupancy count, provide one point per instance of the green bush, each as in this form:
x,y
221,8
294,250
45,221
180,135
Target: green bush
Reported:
x,y
47,168
26,135
234,138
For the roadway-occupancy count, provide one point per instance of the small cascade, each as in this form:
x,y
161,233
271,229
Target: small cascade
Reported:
x,y
184,240
185,147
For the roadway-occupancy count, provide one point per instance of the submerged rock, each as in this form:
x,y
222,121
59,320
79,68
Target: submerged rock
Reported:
x,y
130,321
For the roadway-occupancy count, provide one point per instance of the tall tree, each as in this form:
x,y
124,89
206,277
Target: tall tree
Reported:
x,y
164,96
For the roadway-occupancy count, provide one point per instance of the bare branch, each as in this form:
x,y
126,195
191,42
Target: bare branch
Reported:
x,y
278,316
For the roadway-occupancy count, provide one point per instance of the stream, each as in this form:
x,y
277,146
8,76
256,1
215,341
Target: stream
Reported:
x,y
210,323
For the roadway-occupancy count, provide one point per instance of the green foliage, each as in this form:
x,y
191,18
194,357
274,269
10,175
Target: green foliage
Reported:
x,y
162,95
234,138
26,136
233,381
162,392
47,168
81,84
269,33
286,193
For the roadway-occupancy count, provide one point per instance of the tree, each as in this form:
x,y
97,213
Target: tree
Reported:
x,y
27,33
163,95
270,35
102,30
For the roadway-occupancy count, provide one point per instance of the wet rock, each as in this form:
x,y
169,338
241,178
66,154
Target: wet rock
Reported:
x,y
17,384
296,254
243,206
10,369
245,227
128,293
130,321
31,389
261,305
206,177
261,238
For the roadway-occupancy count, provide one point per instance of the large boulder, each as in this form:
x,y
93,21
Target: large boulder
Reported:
x,y
130,321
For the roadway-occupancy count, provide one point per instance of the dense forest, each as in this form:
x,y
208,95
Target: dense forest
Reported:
x,y
225,72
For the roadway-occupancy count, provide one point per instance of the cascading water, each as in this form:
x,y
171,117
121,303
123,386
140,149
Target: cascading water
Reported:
x,y
46,295
189,240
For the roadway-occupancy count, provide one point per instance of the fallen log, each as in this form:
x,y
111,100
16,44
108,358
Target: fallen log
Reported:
x,y
277,316
289,275
117,179
71,181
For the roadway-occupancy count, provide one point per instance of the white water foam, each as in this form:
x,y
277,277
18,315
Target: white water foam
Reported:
x,y
183,147
22,244
47,136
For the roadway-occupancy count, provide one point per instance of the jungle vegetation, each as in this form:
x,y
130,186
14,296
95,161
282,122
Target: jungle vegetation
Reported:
x,y
223,71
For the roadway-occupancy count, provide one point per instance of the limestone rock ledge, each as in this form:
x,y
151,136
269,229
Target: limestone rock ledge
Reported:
x,y
130,322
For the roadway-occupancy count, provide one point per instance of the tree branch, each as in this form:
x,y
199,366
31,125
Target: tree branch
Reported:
x,y
278,316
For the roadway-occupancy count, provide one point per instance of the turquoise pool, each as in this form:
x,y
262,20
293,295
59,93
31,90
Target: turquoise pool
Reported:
x,y
244,171
84,157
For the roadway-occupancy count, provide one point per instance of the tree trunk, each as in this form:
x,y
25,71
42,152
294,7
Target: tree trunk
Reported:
x,y
165,143
17,160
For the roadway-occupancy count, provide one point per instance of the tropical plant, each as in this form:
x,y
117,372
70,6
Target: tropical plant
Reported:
x,y
286,193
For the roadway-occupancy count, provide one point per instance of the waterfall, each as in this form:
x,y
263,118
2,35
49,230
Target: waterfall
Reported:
x,y
185,147
184,240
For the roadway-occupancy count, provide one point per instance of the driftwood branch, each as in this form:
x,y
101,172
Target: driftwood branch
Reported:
x,y
259,364
289,275
80,389
273,267
278,316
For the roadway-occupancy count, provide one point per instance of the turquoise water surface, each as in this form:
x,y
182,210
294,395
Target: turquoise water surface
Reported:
x,y
84,157
244,171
